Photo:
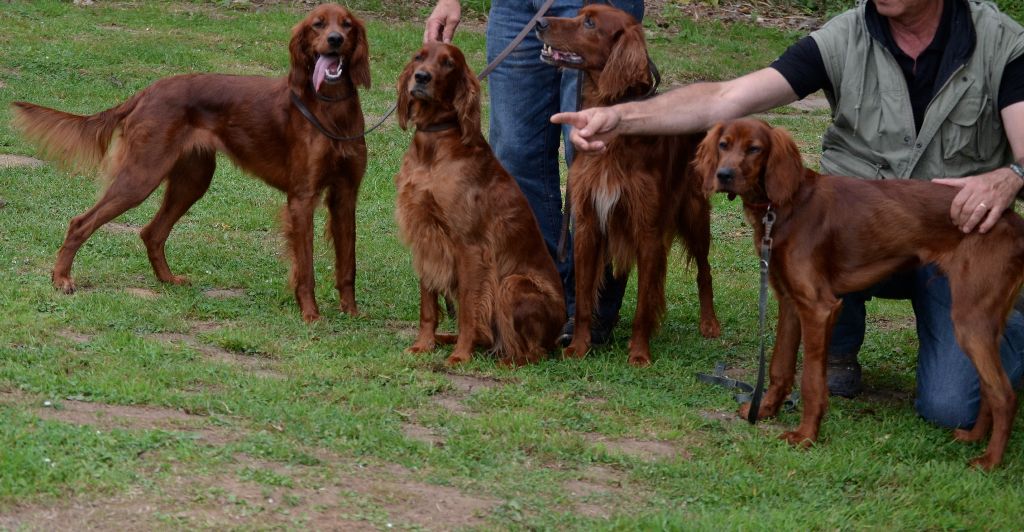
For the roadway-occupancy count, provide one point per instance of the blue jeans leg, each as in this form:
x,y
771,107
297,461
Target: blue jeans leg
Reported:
x,y
524,93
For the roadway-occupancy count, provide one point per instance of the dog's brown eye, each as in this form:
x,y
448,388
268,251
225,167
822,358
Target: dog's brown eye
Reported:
x,y
588,23
723,145
419,57
448,63
318,24
753,149
346,24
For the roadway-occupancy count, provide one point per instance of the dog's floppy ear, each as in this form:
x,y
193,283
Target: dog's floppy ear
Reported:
x,y
404,107
627,65
359,68
706,161
784,169
301,68
467,104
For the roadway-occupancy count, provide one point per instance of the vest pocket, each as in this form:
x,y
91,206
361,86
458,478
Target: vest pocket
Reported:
x,y
969,131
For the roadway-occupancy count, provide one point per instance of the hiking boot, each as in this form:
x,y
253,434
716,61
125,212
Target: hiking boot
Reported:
x,y
843,375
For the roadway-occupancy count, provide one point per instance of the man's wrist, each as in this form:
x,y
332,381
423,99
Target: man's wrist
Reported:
x,y
1017,168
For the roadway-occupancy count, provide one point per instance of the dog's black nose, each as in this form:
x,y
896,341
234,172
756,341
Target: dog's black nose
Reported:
x,y
334,39
725,174
422,77
542,24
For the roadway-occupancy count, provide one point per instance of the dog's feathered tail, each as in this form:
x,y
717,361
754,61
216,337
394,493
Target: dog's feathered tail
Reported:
x,y
75,142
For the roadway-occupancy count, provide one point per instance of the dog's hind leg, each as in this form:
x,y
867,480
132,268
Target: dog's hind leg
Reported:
x,y
694,225
187,182
133,182
528,320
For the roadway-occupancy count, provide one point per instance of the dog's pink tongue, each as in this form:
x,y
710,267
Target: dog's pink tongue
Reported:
x,y
320,70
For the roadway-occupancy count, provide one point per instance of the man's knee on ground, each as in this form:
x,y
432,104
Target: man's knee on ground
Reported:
x,y
948,410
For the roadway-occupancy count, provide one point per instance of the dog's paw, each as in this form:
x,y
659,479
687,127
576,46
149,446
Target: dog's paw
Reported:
x,y
797,439
458,358
574,351
64,284
710,328
967,435
985,462
639,360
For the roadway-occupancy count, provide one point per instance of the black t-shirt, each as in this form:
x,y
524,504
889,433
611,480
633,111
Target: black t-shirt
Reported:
x,y
804,69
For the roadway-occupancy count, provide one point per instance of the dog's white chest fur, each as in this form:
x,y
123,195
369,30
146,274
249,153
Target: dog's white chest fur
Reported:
x,y
606,196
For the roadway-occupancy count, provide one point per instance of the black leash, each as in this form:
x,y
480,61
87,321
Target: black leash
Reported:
x,y
297,102
753,394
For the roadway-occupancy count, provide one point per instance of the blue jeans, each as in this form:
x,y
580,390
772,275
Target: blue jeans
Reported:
x,y
948,392
525,92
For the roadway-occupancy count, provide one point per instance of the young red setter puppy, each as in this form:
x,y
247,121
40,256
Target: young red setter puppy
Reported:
x,y
631,200
836,235
172,130
469,227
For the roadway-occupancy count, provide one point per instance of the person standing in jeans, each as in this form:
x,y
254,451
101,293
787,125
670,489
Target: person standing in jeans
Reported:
x,y
525,93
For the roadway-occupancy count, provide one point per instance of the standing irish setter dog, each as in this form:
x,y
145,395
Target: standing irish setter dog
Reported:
x,y
172,130
631,200
822,247
470,229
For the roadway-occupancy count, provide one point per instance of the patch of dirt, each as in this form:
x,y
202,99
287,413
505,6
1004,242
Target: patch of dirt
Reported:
x,y
340,495
127,417
121,228
423,434
759,12
257,366
224,293
465,384
144,293
74,336
642,449
199,327
883,323
9,161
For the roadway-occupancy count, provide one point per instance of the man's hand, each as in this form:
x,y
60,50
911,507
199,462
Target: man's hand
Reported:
x,y
442,21
593,128
982,198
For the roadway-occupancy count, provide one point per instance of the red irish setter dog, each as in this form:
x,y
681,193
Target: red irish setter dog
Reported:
x,y
823,247
172,130
470,229
631,200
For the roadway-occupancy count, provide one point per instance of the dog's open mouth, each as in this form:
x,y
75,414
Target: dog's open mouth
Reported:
x,y
559,57
328,68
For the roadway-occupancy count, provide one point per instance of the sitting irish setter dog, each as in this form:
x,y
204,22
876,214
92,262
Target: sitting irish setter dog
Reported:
x,y
172,130
470,229
631,200
836,235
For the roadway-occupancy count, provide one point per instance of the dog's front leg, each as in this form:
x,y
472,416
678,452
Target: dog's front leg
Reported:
x,y
299,222
429,312
816,320
341,204
783,365
472,277
589,264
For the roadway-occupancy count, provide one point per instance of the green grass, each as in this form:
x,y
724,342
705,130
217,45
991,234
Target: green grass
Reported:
x,y
255,406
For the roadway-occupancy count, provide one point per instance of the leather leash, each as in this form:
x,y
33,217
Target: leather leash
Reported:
x,y
754,393
480,77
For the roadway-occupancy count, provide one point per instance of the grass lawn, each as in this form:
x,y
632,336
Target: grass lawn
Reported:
x,y
135,405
